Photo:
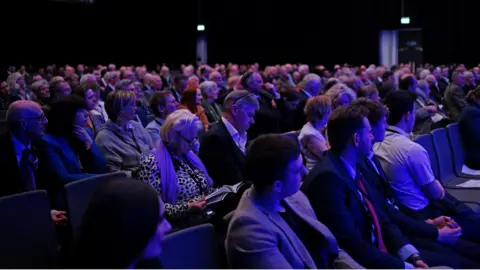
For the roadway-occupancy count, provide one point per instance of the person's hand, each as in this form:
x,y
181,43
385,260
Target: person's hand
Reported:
x,y
443,221
431,109
81,134
420,265
449,235
197,206
58,217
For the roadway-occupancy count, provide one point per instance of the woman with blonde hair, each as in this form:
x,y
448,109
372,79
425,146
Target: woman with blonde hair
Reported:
x,y
176,172
122,140
312,142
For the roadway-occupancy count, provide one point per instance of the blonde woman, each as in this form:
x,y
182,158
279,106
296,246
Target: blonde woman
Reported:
x,y
122,140
312,142
176,173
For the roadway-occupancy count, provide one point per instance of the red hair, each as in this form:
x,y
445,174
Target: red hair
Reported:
x,y
189,99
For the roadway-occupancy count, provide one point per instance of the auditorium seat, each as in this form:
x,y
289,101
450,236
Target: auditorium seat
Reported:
x,y
191,248
443,171
79,194
27,232
458,152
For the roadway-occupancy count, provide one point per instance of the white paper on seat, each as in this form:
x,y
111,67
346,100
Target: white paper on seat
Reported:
x,y
470,184
467,170
437,117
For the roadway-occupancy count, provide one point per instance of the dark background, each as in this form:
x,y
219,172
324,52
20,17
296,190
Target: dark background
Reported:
x,y
265,31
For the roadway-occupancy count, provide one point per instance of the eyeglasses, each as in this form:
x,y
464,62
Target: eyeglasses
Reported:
x,y
190,143
37,118
239,98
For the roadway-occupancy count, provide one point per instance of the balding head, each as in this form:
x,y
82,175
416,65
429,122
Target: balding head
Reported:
x,y
216,77
311,83
26,120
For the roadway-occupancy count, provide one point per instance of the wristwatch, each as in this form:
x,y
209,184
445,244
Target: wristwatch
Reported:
x,y
413,259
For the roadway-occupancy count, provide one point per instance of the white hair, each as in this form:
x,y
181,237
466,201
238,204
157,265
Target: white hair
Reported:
x,y
311,77
36,85
371,71
336,92
206,87
88,78
424,73
303,68
177,122
110,75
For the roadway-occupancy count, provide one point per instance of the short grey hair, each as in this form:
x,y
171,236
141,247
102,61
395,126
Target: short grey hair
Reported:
x,y
468,74
110,75
56,79
121,85
424,73
371,71
240,98
336,91
88,78
430,78
422,85
38,84
207,86
308,79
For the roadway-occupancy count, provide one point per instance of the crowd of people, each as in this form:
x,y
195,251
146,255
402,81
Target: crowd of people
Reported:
x,y
332,175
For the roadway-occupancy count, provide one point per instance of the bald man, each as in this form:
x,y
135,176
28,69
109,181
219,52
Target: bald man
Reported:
x,y
18,163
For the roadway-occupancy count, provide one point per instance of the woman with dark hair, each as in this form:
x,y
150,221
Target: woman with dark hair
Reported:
x,y
192,100
67,152
470,130
123,225
90,93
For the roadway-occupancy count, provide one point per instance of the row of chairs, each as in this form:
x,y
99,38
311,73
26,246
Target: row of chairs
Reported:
x,y
29,237
447,158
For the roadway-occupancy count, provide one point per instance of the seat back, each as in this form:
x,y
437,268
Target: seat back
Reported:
x,y
444,155
458,152
192,248
27,232
79,194
426,141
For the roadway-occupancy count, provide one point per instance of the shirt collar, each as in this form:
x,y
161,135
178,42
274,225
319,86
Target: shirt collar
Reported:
x,y
160,120
231,129
398,130
18,146
370,155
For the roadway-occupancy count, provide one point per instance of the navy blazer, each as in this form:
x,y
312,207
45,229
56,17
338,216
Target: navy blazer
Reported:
x,y
470,133
337,203
221,156
381,187
62,163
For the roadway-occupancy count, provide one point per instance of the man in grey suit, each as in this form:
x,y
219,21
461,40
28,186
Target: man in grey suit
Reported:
x,y
454,98
274,225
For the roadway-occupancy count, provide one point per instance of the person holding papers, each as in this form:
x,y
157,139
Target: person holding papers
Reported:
x,y
176,173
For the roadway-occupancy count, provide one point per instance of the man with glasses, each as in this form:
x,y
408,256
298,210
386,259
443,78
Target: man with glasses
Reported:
x,y
18,161
222,148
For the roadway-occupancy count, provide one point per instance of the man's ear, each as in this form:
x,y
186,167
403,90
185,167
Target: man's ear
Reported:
x,y
355,139
277,186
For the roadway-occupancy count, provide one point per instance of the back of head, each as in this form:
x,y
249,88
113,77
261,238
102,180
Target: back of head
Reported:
x,y
399,103
267,159
473,96
240,98
119,222
342,124
189,98
406,81
62,115
376,110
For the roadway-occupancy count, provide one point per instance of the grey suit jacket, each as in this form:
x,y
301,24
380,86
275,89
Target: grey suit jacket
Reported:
x,y
454,101
260,238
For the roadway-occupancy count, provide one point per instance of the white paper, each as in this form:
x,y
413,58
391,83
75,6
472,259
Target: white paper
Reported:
x,y
437,117
470,184
467,170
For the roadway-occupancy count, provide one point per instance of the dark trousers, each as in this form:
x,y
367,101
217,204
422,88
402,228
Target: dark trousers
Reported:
x,y
436,254
460,212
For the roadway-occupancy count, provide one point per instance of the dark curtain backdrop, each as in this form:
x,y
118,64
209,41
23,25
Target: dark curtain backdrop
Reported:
x,y
267,31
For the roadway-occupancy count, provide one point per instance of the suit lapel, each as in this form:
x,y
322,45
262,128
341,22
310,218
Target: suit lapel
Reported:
x,y
299,210
295,242
344,175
